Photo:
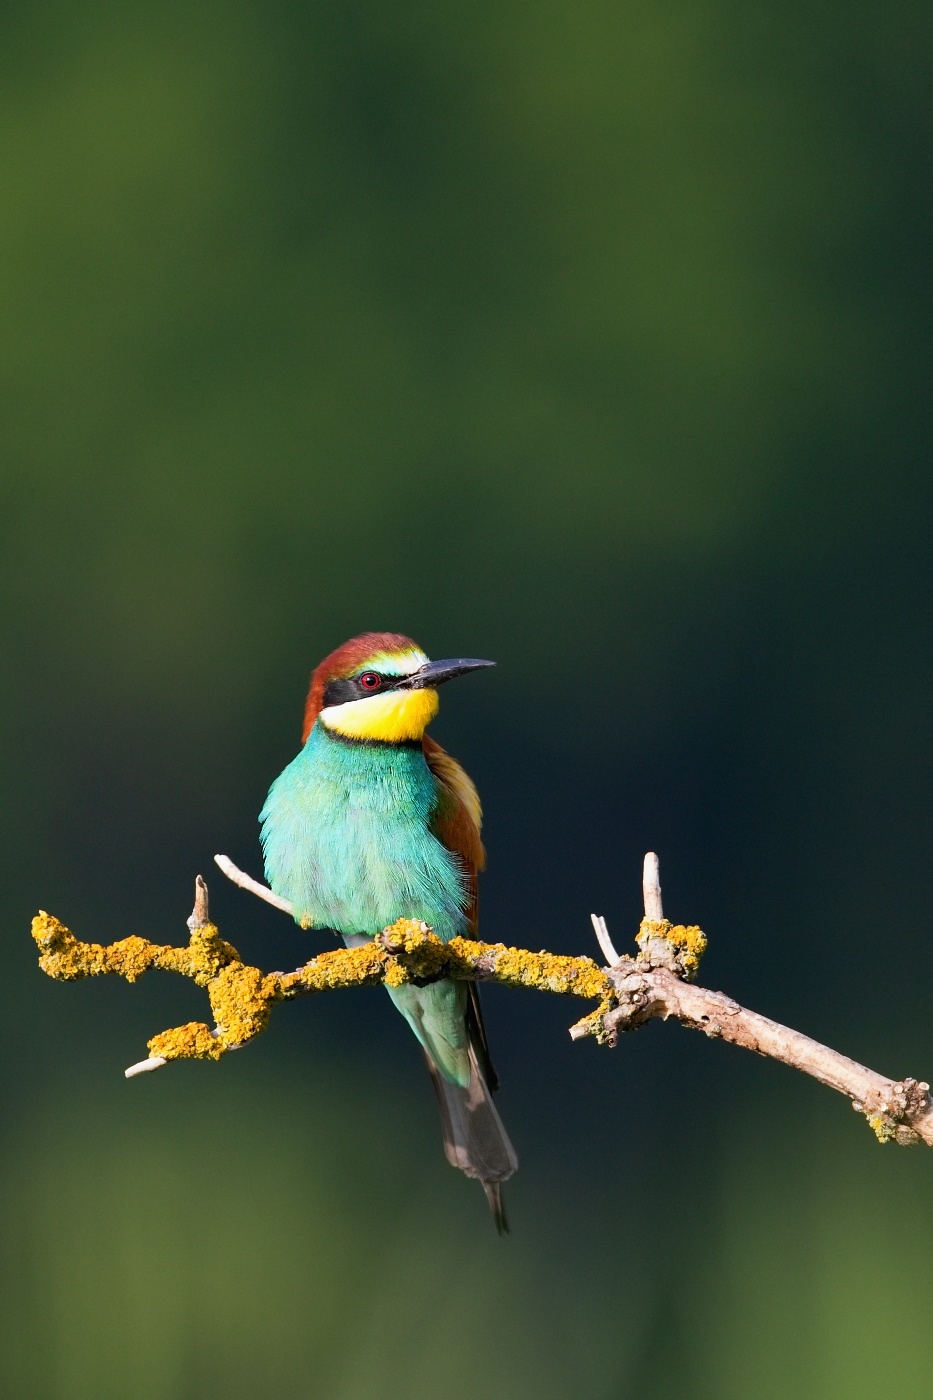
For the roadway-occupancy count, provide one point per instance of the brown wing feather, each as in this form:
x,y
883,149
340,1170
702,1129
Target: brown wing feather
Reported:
x,y
458,817
457,825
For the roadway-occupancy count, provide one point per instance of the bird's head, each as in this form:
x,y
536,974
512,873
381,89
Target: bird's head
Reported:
x,y
380,686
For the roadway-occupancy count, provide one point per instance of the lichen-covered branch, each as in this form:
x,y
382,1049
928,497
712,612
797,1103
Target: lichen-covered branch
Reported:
x,y
656,982
242,997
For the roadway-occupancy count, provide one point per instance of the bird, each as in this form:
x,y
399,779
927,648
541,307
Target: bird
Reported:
x,y
374,821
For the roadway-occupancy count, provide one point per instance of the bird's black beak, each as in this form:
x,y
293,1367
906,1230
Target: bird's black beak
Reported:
x,y
433,673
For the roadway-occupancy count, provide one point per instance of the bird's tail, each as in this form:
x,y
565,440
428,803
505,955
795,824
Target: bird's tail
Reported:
x,y
474,1139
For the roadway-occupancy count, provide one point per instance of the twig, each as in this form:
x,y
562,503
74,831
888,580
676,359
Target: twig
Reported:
x,y
633,990
603,939
246,882
651,887
199,918
157,1061
144,1066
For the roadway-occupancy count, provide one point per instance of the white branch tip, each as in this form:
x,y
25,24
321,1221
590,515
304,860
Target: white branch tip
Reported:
x,y
651,888
603,939
246,882
144,1066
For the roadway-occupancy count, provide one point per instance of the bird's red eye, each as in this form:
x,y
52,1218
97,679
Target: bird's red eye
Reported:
x,y
369,680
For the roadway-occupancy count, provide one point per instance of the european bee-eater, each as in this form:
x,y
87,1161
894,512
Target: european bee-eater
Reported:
x,y
373,822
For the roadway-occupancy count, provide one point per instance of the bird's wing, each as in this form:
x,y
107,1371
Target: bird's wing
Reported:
x,y
456,825
457,820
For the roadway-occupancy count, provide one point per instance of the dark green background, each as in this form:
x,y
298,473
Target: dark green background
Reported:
x,y
591,337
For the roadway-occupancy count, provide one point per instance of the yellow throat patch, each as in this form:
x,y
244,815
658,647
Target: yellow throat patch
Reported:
x,y
393,717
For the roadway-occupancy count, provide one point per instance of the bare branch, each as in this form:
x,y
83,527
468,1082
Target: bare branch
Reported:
x,y
246,882
896,1110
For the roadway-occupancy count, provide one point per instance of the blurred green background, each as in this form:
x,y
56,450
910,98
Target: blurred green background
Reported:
x,y
591,337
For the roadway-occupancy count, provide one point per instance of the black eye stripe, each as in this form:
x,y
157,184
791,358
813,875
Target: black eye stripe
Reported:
x,y
340,692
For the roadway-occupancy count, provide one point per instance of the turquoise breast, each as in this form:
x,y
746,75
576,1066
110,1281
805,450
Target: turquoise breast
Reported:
x,y
347,839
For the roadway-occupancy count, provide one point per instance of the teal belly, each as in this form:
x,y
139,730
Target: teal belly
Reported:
x,y
347,839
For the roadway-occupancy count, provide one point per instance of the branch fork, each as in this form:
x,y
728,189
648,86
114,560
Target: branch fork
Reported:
x,y
656,983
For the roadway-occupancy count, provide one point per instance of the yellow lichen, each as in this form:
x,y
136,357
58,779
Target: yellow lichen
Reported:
x,y
191,1042
343,967
883,1129
241,1000
206,954
517,967
687,942
66,959
414,953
